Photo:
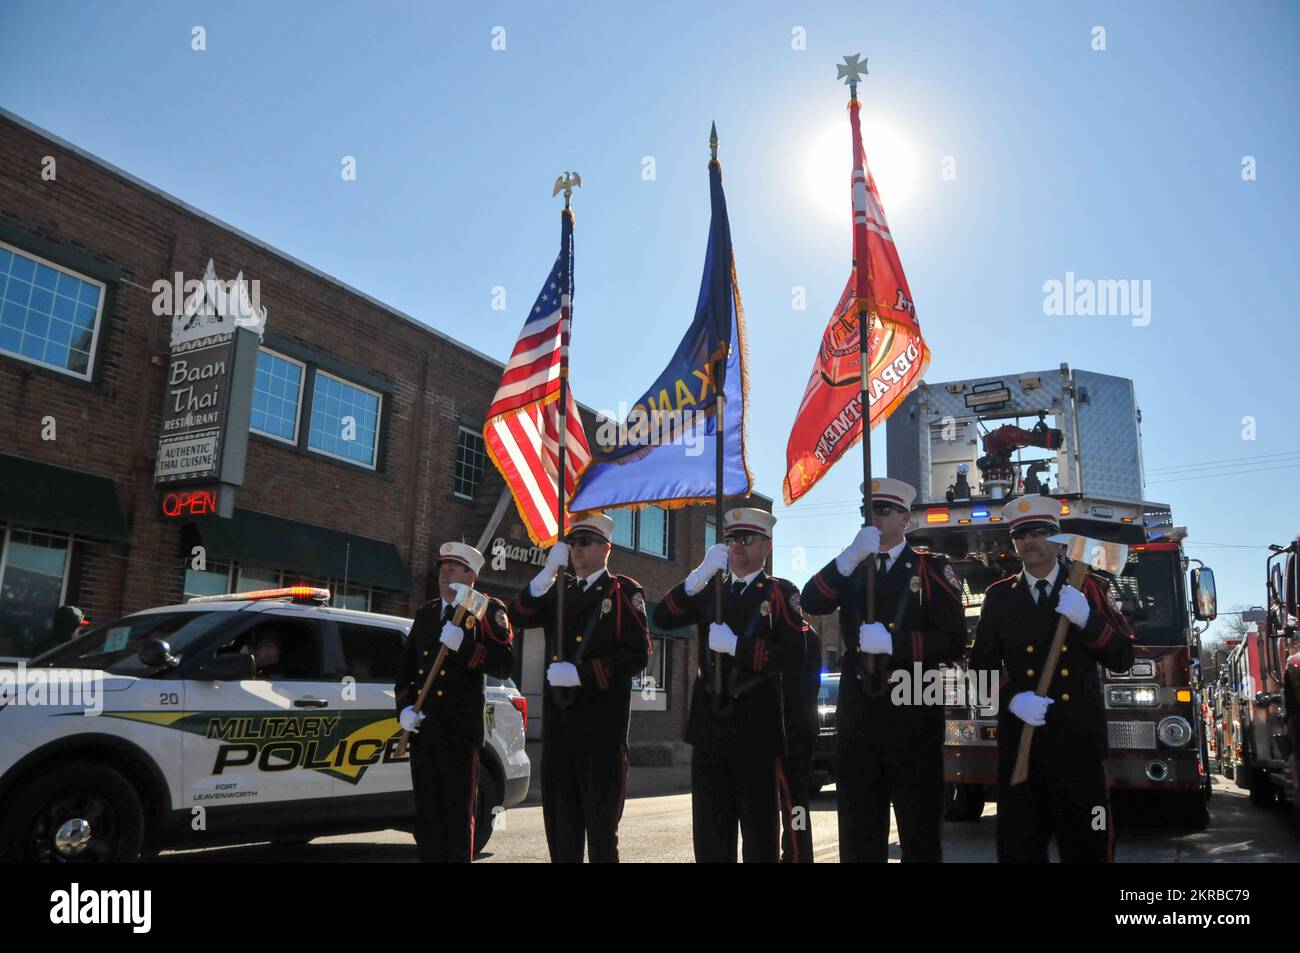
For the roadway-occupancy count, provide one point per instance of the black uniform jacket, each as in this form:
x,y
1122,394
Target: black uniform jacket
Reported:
x,y
607,637
801,690
454,706
769,642
919,601
1012,641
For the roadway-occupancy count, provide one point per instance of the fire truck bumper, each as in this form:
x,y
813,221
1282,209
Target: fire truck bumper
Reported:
x,y
1160,770
970,752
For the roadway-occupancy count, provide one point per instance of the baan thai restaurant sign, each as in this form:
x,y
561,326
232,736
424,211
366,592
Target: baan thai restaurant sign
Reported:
x,y
216,338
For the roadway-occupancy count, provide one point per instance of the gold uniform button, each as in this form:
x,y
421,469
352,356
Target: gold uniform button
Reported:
x,y
443,672
1065,671
579,638
1065,697
440,693
1028,648
1030,673
1065,648
421,671
426,651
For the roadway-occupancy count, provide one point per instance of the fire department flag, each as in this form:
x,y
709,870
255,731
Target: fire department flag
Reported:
x,y
522,428
829,421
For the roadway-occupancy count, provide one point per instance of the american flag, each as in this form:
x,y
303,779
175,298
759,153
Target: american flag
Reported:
x,y
522,428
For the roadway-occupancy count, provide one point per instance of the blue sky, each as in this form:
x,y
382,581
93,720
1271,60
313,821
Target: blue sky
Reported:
x,y
1119,164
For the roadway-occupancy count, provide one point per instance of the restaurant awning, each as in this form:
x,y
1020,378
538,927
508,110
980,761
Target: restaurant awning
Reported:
x,y
46,496
273,542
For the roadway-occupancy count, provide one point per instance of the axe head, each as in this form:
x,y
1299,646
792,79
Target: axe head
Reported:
x,y
470,600
1107,557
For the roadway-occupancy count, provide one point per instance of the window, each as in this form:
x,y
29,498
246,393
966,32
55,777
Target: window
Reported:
x,y
653,537
656,671
286,649
645,530
33,570
212,581
277,395
250,579
470,458
48,316
370,652
344,420
624,528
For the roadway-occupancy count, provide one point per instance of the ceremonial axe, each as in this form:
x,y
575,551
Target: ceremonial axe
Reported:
x,y
1084,554
469,606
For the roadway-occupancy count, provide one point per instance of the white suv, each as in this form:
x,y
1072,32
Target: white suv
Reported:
x,y
262,716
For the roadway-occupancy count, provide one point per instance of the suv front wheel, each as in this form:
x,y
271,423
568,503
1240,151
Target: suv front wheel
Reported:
x,y
79,813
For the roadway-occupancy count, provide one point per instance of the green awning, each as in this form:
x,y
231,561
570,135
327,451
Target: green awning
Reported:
x,y
272,542
44,496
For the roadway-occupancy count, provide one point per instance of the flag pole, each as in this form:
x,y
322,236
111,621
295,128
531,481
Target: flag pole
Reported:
x,y
567,182
851,71
720,400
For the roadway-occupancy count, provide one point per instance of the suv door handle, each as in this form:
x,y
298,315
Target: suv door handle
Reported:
x,y
310,703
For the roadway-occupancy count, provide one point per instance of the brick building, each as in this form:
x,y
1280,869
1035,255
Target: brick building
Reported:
x,y
83,367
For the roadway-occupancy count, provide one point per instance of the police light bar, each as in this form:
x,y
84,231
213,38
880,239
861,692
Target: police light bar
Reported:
x,y
296,593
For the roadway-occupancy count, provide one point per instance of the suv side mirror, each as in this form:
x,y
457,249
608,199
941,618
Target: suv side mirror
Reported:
x,y
1205,604
157,653
233,667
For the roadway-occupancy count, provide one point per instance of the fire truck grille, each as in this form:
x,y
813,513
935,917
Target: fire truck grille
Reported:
x,y
1139,735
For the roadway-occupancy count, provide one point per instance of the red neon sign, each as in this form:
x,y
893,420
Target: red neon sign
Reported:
x,y
189,503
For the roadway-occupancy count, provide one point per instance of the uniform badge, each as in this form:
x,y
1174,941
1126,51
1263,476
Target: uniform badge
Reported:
x,y
916,583
638,602
794,602
501,618
951,577
469,623
765,608
606,606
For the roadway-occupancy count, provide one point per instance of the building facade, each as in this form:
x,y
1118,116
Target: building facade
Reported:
x,y
364,437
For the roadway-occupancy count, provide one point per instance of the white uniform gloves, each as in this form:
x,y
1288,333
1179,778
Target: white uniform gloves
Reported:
x,y
410,719
452,636
563,675
866,543
874,639
1073,604
721,638
715,561
1030,708
556,560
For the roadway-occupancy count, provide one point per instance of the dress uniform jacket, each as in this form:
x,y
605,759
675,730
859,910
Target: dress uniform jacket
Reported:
x,y
454,705
919,601
800,691
1066,786
610,618
769,641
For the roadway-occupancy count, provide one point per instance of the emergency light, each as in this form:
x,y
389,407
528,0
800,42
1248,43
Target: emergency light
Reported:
x,y
295,593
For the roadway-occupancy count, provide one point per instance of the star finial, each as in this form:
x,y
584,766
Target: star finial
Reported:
x,y
851,70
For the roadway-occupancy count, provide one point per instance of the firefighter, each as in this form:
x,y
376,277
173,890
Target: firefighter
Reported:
x,y
1065,795
799,701
887,748
447,732
588,689
738,735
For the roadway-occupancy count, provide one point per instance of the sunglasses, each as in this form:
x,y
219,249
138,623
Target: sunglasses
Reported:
x,y
880,509
742,539
1033,532
585,540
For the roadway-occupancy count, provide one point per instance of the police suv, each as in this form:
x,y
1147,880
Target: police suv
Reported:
x,y
230,719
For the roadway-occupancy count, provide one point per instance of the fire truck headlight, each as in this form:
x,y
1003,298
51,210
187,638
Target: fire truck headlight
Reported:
x,y
1146,696
1175,731
1133,696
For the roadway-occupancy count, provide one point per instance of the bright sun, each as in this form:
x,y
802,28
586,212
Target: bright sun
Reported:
x,y
830,166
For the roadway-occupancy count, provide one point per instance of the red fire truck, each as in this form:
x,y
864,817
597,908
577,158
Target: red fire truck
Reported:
x,y
1268,708
1087,457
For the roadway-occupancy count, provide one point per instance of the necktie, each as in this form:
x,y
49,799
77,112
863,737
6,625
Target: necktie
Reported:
x,y
582,585
883,560
1041,586
738,587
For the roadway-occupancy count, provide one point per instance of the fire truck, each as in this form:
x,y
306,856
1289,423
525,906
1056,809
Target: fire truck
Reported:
x,y
1222,717
969,446
1266,711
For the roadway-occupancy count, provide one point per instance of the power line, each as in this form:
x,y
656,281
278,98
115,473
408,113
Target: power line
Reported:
x,y
1211,476
1232,461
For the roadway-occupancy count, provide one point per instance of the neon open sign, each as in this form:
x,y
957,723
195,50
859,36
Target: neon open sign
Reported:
x,y
190,503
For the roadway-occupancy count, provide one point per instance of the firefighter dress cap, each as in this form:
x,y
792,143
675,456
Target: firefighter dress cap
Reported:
x,y
466,555
1032,511
748,520
597,524
894,492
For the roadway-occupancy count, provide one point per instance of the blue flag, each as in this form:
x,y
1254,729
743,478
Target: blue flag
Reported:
x,y
664,451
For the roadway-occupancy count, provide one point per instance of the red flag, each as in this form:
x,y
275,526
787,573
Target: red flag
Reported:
x,y
522,431
829,421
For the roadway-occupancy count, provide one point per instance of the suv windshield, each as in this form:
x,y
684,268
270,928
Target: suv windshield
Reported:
x,y
113,648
